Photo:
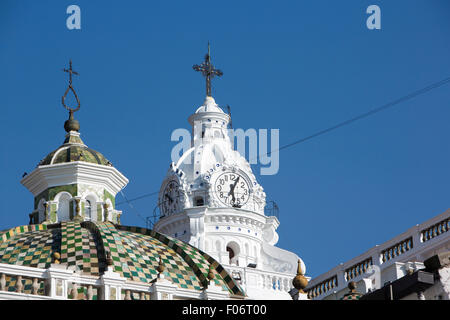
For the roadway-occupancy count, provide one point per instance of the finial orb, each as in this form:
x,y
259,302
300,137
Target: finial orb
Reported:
x,y
71,124
300,282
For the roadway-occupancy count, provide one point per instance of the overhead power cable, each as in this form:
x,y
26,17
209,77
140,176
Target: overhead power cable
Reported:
x,y
341,124
131,206
369,113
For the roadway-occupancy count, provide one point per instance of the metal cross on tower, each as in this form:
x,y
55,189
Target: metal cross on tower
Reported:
x,y
208,71
70,71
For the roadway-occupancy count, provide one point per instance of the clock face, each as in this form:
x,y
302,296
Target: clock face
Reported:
x,y
171,198
232,189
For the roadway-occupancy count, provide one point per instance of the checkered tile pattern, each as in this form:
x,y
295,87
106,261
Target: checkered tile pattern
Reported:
x,y
32,249
135,253
7,234
144,253
71,243
221,275
79,249
198,260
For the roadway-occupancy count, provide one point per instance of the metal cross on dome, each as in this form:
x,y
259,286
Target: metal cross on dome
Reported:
x,y
70,71
208,71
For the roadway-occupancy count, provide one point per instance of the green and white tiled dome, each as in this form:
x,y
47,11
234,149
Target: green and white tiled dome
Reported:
x,y
135,253
73,149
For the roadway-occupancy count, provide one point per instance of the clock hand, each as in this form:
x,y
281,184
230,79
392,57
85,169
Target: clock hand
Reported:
x,y
232,187
236,182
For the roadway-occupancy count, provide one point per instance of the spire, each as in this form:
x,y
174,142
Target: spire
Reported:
x,y
71,124
208,71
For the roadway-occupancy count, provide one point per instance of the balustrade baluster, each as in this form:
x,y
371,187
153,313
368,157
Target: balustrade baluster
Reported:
x,y
90,293
75,291
19,284
2,282
35,286
127,295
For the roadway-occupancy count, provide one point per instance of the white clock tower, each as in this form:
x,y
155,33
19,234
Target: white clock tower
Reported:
x,y
211,199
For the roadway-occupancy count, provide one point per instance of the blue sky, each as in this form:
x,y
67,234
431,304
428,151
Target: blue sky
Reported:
x,y
299,66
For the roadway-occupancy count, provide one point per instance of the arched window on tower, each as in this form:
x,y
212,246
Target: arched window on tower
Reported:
x,y
230,253
88,210
233,253
198,201
41,211
64,207
203,130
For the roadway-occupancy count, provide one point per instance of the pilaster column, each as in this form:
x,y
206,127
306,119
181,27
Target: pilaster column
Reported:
x,y
162,289
197,227
214,292
112,284
58,277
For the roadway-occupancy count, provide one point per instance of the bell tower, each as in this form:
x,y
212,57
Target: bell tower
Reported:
x,y
74,182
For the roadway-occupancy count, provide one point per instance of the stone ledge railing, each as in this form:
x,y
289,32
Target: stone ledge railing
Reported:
x,y
322,287
358,269
266,280
84,288
435,230
414,240
22,281
396,250
132,290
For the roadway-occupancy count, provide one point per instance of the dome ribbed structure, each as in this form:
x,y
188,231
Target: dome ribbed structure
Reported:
x,y
135,253
74,149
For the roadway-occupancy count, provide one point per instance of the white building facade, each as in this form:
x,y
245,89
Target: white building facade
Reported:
x,y
390,261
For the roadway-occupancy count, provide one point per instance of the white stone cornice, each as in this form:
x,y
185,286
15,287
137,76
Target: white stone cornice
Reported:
x,y
77,172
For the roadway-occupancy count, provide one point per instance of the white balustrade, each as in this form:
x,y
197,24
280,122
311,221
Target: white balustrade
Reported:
x,y
415,244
